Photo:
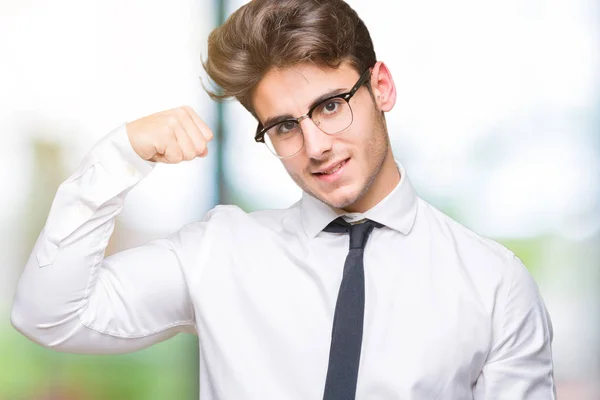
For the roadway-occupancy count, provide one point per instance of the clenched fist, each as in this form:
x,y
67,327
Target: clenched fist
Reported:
x,y
170,136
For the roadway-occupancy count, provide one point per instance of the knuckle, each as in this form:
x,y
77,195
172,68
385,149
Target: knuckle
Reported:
x,y
200,148
174,155
189,155
170,135
160,147
172,120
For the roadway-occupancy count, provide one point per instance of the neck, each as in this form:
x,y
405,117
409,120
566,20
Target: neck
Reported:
x,y
386,180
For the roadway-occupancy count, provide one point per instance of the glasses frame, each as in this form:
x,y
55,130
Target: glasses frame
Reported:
x,y
261,132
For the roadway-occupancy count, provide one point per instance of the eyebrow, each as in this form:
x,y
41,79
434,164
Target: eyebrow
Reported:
x,y
285,117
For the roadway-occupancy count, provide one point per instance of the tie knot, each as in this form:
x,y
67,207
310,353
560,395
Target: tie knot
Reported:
x,y
359,233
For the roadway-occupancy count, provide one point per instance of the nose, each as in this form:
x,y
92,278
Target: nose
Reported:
x,y
316,142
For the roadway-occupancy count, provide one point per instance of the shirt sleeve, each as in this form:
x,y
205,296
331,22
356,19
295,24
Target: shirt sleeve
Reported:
x,y
519,366
69,297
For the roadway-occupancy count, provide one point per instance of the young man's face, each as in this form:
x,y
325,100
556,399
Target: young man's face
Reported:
x,y
353,169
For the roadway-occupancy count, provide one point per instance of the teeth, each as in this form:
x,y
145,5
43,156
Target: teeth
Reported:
x,y
334,169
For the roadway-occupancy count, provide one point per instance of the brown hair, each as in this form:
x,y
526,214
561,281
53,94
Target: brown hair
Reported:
x,y
266,34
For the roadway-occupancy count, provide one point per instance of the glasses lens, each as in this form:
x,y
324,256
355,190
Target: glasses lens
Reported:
x,y
333,115
285,139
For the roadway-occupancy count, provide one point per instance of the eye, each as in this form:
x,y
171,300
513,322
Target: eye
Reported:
x,y
331,107
286,127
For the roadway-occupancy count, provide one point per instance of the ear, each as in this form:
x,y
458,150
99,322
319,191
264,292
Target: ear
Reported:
x,y
383,87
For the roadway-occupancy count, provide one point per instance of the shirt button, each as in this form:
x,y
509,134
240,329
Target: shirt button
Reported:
x,y
84,211
131,171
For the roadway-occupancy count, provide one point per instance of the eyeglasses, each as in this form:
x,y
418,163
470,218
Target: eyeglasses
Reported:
x,y
332,115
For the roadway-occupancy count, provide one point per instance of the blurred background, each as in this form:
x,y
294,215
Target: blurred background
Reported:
x,y
497,123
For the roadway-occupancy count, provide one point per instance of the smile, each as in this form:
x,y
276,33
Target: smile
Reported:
x,y
333,172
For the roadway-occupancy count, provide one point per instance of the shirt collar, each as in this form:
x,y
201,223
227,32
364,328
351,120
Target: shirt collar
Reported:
x,y
397,210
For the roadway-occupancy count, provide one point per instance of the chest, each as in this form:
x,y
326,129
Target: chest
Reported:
x,y
272,307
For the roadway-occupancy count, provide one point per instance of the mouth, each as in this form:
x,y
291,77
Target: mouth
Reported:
x,y
332,172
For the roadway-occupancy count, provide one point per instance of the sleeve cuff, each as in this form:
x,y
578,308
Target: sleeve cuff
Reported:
x,y
119,141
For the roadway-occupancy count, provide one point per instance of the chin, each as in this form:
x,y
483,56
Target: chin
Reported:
x,y
340,197
341,200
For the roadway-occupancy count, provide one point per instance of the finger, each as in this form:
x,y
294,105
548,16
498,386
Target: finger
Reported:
x,y
173,155
192,132
161,159
161,147
206,131
185,144
166,145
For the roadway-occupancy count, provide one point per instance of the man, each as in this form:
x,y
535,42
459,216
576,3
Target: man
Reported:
x,y
360,290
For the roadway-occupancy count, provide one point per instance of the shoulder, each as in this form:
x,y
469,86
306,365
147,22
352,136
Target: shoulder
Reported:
x,y
448,229
488,264
231,220
240,219
493,273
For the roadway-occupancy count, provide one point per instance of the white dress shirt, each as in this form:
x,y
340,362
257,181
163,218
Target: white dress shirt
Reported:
x,y
448,314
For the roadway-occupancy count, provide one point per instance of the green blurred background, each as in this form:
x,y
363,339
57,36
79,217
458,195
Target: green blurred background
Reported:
x,y
497,123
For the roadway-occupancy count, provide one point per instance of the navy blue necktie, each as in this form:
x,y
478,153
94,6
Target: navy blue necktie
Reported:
x,y
346,335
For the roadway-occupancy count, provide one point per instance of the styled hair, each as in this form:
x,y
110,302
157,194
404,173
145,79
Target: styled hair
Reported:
x,y
267,34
